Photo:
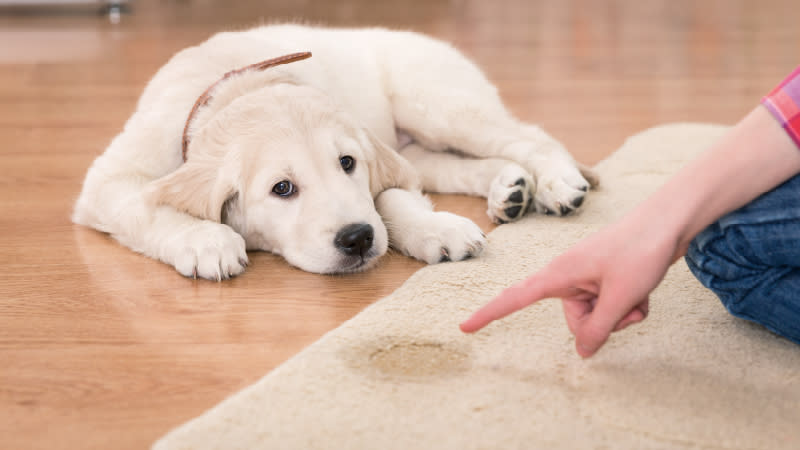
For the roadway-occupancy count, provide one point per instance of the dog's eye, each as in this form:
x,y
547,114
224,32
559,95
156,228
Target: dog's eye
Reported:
x,y
348,163
284,188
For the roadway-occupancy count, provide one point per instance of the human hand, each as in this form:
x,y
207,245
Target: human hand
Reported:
x,y
604,283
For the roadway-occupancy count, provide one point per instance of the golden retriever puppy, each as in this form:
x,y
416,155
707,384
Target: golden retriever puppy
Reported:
x,y
321,160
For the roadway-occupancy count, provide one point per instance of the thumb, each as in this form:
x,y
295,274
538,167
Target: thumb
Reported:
x,y
592,332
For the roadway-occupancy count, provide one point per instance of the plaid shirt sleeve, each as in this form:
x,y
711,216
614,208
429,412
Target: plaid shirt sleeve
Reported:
x,y
784,103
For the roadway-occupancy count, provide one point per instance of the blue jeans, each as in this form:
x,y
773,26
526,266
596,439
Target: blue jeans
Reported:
x,y
750,258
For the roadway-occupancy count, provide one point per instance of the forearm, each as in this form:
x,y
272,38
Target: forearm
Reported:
x,y
752,158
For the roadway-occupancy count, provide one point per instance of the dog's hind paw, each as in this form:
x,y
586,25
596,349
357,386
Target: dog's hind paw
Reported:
x,y
208,250
510,194
560,191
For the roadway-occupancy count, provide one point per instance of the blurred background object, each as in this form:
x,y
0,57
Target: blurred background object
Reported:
x,y
112,8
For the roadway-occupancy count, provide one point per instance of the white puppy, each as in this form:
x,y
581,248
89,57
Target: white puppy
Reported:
x,y
303,157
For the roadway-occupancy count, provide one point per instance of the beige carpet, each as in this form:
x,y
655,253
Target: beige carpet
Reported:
x,y
400,375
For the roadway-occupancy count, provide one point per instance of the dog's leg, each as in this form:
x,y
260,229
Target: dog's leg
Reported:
x,y
418,231
561,183
445,102
507,186
113,200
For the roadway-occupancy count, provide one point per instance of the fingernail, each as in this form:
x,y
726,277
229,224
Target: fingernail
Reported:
x,y
584,351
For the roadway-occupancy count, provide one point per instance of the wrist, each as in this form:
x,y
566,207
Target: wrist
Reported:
x,y
664,224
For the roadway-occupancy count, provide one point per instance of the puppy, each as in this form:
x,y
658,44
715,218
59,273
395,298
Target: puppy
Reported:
x,y
242,143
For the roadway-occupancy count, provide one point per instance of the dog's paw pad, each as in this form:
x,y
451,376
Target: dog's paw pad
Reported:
x,y
510,194
516,197
513,211
558,209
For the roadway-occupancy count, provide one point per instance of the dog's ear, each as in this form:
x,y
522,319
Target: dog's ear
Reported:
x,y
387,169
197,188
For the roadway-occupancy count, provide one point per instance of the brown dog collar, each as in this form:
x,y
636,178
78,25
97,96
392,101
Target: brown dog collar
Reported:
x,y
206,96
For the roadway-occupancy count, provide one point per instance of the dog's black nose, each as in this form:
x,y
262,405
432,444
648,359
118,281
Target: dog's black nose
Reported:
x,y
355,239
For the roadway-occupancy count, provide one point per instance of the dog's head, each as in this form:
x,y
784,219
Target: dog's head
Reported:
x,y
291,173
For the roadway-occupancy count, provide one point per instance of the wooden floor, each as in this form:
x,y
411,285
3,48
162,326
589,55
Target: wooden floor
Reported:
x,y
103,348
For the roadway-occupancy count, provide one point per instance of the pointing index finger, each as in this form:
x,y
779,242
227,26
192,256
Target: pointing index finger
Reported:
x,y
518,296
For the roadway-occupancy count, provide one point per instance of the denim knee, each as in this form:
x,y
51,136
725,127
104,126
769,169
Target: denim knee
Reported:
x,y
724,261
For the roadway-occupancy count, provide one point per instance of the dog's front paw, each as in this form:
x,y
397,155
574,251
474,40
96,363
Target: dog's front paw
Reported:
x,y
448,237
207,250
560,191
510,194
